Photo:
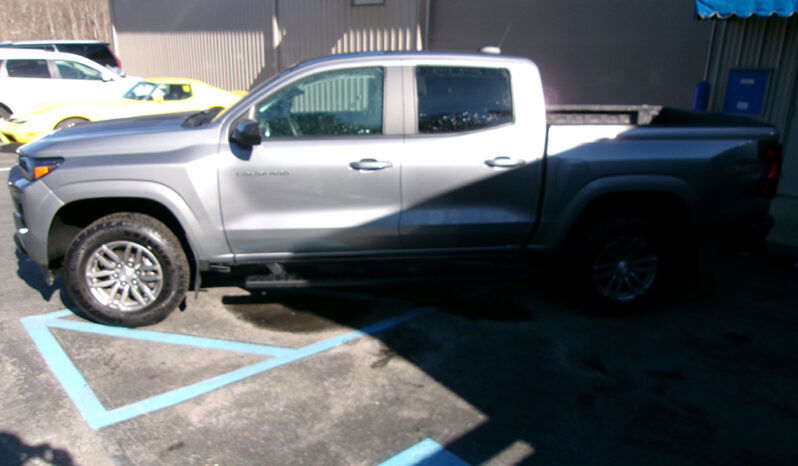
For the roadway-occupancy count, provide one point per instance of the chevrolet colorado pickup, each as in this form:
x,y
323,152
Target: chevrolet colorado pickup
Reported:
x,y
385,156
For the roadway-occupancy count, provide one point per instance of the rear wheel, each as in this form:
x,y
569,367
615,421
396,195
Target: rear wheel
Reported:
x,y
5,113
126,269
620,264
70,122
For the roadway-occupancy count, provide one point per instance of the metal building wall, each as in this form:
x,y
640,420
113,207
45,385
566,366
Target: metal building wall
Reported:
x,y
237,44
315,28
756,43
588,51
225,43
767,44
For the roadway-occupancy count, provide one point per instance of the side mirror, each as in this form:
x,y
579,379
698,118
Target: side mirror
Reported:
x,y
107,77
246,133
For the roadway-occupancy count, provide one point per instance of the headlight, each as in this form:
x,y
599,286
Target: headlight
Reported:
x,y
33,168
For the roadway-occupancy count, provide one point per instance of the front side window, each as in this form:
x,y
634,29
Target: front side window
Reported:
x,y
456,99
75,70
335,103
27,69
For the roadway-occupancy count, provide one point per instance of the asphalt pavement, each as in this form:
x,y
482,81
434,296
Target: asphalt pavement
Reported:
x,y
488,372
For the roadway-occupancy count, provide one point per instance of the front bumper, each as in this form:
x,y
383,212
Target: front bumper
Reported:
x,y
34,208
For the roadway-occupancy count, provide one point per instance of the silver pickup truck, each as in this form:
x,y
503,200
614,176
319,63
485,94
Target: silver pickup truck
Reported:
x,y
386,156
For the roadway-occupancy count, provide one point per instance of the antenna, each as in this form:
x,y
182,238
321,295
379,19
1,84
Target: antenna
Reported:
x,y
506,31
497,50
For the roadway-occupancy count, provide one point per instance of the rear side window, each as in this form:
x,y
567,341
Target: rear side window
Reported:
x,y
75,70
97,52
27,69
456,99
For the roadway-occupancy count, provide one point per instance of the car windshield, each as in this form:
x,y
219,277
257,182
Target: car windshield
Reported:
x,y
152,91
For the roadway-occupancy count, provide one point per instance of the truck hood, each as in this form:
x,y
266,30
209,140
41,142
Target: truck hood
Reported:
x,y
157,133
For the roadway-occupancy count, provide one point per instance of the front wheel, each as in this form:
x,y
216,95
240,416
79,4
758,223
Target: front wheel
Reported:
x,y
620,264
126,269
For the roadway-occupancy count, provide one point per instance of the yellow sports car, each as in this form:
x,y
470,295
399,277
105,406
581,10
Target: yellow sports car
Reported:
x,y
149,97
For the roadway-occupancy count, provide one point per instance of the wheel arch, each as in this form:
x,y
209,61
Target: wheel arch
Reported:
x,y
84,203
63,119
666,198
6,108
665,206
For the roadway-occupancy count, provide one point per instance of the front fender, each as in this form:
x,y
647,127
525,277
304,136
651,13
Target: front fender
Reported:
x,y
205,242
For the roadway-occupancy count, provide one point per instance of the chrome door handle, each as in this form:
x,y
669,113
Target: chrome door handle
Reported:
x,y
370,164
504,162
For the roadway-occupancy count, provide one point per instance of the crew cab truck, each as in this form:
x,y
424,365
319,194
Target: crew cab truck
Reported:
x,y
385,156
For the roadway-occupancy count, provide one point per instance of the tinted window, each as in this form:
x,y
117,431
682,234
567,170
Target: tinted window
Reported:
x,y
452,99
97,52
27,69
75,70
335,103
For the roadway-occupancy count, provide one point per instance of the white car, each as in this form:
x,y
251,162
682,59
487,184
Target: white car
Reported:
x,y
29,78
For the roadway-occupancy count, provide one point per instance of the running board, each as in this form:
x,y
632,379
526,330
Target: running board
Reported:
x,y
268,282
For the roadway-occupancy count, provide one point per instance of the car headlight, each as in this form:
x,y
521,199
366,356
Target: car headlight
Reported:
x,y
35,168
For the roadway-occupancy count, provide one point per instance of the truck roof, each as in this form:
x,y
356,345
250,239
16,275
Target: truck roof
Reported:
x,y
466,57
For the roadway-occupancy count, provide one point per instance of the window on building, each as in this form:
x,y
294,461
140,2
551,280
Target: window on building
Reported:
x,y
27,69
456,99
334,103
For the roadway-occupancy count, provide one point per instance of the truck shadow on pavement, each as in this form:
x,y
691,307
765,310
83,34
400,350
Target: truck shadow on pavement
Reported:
x,y
681,384
15,452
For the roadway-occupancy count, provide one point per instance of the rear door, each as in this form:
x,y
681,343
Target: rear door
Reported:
x,y
471,169
25,83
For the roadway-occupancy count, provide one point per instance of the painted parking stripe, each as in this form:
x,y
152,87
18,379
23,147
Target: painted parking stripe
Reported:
x,y
425,453
171,338
97,416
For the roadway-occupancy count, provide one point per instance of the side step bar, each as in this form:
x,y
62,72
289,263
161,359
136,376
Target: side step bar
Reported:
x,y
269,282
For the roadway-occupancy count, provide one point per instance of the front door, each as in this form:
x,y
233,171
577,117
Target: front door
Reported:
x,y
325,179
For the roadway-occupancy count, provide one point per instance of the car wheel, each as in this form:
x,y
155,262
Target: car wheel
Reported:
x,y
620,264
4,113
126,269
70,122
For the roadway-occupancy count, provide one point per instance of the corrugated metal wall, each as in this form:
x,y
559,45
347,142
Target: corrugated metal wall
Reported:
x,y
314,28
589,52
237,44
766,44
757,43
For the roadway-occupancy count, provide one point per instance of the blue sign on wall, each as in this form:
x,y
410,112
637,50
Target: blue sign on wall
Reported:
x,y
746,92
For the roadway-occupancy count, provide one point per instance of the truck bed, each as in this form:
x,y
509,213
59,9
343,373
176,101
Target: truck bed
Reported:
x,y
641,115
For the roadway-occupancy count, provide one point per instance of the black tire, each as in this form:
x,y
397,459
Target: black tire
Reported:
x,y
620,264
151,288
70,122
5,113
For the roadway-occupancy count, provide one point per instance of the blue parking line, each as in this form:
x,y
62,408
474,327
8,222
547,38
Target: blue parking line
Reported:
x,y
425,453
93,411
171,338
65,371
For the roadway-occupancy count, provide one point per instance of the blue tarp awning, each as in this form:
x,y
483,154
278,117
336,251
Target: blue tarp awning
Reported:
x,y
745,8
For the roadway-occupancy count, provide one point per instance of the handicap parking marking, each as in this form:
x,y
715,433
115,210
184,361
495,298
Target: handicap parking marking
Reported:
x,y
425,453
98,417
